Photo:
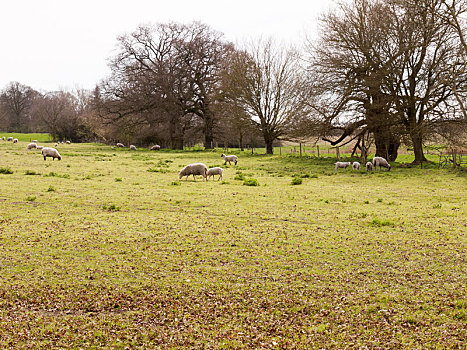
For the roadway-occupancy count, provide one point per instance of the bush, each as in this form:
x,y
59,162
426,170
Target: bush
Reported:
x,y
31,172
251,182
6,171
297,181
240,177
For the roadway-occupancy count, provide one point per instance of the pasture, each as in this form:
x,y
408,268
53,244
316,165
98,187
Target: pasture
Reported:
x,y
108,249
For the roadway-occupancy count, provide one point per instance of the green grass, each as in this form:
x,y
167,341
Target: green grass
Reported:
x,y
41,138
346,260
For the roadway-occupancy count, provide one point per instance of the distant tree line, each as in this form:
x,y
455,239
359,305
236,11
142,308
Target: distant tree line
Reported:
x,y
381,73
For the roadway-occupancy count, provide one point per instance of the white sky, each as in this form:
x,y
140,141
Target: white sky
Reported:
x,y
65,44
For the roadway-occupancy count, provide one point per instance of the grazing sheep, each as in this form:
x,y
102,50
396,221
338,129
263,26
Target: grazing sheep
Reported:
x,y
381,162
342,165
3,138
68,142
229,159
194,169
155,148
31,145
133,147
356,166
215,171
39,147
120,145
51,152
15,140
56,144
369,166
10,139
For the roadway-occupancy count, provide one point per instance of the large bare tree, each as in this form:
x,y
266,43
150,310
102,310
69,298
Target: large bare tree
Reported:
x,y
16,101
265,82
167,73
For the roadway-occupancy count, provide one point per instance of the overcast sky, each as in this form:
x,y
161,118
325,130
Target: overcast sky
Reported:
x,y
65,44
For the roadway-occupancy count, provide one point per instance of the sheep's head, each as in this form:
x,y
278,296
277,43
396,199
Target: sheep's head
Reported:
x,y
222,155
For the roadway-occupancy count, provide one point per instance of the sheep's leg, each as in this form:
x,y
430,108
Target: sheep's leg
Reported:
x,y
45,158
194,178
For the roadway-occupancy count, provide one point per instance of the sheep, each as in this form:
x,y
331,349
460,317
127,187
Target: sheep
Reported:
x,y
31,146
39,147
194,169
381,162
15,140
3,138
155,148
133,147
356,166
369,166
51,152
342,165
120,145
10,139
215,171
229,159
68,142
34,141
56,144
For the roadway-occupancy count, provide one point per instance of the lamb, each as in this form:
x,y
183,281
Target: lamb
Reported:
x,y
133,147
381,162
120,145
215,171
15,140
3,138
51,152
155,148
39,147
31,146
194,169
356,166
369,166
10,139
229,159
342,165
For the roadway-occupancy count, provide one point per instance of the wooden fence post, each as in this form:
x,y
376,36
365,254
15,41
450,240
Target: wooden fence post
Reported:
x,y
300,150
317,147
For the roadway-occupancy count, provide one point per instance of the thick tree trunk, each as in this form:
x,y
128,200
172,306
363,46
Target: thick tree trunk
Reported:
x,y
208,132
417,147
387,144
269,148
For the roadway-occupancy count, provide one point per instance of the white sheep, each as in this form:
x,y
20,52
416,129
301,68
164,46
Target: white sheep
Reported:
x,y
68,142
194,169
369,166
10,139
229,159
15,140
3,138
356,166
39,147
31,146
215,171
343,165
120,145
155,148
56,144
51,152
34,141
381,162
133,147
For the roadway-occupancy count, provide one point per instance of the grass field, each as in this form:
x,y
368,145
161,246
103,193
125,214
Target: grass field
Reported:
x,y
107,249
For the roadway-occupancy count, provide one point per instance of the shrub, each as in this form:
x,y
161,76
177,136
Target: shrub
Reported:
x,y
31,172
175,183
111,207
251,182
6,171
297,181
380,223
240,177
118,179
31,198
51,189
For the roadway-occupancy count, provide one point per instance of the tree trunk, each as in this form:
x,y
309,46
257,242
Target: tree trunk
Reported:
x,y
208,132
417,147
387,144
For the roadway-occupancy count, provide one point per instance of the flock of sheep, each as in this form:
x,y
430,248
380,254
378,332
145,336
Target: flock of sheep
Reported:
x,y
377,162
200,168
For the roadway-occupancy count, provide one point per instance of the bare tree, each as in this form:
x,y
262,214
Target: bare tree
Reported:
x,y
264,81
16,101
166,73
